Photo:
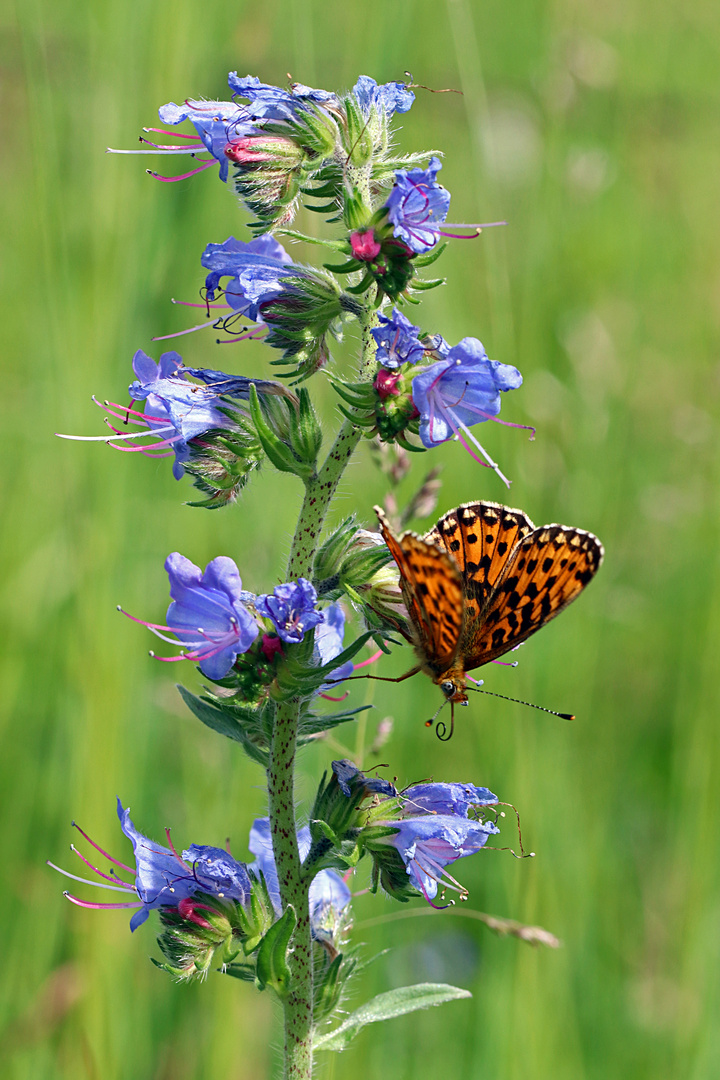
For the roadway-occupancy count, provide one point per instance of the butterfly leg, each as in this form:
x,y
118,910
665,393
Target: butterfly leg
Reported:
x,y
385,678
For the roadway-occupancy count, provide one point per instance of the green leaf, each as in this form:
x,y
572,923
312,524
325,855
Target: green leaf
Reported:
x,y
406,999
223,723
272,965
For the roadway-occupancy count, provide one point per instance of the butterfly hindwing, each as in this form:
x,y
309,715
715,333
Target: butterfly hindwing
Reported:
x,y
433,591
547,569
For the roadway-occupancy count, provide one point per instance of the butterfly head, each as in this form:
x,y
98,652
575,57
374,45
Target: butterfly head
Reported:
x,y
454,691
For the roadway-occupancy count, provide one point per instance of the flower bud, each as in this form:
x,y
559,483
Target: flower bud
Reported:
x,y
267,174
195,933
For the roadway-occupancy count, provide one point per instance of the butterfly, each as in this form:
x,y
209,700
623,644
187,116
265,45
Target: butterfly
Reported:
x,y
481,582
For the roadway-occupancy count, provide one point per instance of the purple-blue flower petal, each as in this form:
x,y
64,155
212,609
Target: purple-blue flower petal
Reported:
x,y
417,206
440,798
217,873
388,98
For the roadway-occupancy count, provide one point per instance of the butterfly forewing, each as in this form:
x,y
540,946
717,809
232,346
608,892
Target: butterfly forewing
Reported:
x,y
433,590
480,537
546,570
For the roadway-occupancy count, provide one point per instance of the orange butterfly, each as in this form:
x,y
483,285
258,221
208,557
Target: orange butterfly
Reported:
x,y
482,581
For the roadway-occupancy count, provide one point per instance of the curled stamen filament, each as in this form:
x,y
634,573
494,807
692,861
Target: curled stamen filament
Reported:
x,y
184,176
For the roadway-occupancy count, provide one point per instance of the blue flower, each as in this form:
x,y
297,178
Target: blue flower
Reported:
x,y
216,122
350,778
256,269
329,635
208,614
417,206
162,878
176,409
397,341
272,102
387,98
291,608
461,390
428,844
439,798
329,895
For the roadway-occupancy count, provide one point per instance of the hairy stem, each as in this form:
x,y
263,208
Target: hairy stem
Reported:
x,y
319,490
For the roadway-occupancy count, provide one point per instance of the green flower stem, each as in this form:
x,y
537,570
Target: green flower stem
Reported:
x,y
319,490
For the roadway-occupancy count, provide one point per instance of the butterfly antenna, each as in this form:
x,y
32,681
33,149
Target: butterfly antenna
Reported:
x,y
530,704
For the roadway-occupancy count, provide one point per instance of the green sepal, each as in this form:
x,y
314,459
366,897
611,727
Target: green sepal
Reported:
x,y
256,919
246,972
363,286
356,136
314,723
431,257
387,166
327,993
296,678
277,451
306,433
424,286
341,246
228,721
348,267
329,555
402,441
327,208
272,966
405,999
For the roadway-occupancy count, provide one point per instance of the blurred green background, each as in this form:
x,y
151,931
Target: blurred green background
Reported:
x,y
593,129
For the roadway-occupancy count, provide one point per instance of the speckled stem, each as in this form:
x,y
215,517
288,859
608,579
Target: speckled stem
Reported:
x,y
280,777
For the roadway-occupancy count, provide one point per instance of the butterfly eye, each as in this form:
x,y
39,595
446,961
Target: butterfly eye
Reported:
x,y
448,688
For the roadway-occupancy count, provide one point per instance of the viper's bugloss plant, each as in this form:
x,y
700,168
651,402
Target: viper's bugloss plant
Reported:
x,y
274,658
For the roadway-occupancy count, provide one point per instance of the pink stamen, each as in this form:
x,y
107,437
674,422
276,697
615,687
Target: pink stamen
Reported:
x,y
173,134
108,877
497,420
438,907
373,658
329,698
99,907
185,176
102,852
166,146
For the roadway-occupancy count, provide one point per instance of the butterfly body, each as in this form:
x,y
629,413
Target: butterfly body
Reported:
x,y
481,582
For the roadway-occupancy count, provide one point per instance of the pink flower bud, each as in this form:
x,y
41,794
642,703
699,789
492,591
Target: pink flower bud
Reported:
x,y
365,246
